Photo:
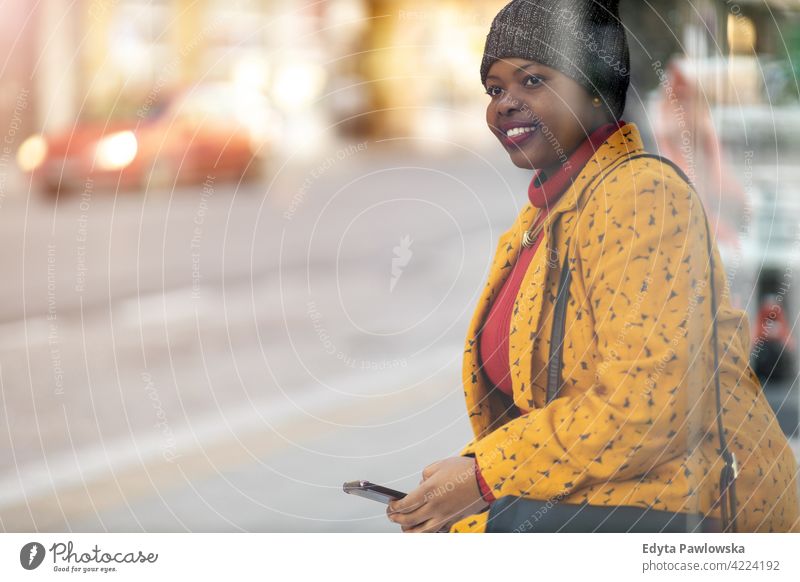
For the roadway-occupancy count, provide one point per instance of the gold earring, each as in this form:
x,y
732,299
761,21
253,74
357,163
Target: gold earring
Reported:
x,y
597,102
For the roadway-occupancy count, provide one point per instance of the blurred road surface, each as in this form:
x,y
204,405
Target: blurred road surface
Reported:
x,y
223,357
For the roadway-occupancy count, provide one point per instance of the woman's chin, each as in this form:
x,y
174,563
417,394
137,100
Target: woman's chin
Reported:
x,y
522,160
522,157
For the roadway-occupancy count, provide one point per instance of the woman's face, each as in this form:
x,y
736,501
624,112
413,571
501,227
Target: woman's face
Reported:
x,y
547,113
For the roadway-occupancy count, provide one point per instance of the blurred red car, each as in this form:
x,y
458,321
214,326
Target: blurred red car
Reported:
x,y
217,130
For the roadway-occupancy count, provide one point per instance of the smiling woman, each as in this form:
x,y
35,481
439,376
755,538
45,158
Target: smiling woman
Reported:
x,y
539,114
606,378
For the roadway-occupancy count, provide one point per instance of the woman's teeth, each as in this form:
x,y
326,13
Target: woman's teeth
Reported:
x,y
519,131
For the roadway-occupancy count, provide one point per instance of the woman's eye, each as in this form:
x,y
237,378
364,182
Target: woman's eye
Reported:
x,y
537,80
490,90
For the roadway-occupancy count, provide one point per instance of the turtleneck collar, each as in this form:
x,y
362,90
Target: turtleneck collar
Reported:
x,y
543,191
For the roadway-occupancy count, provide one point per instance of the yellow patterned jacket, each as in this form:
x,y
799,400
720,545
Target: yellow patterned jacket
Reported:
x,y
634,423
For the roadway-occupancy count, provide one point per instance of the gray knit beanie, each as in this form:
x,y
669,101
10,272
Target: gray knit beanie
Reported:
x,y
584,39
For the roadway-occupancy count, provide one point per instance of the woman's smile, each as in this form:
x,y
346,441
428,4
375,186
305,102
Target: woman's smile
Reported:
x,y
517,136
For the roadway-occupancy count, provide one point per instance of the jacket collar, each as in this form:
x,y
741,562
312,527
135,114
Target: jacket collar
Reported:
x,y
544,194
624,142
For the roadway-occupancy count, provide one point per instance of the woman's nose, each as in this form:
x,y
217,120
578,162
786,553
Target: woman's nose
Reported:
x,y
508,103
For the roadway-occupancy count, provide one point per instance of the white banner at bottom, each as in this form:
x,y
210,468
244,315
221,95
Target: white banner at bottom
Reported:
x,y
381,557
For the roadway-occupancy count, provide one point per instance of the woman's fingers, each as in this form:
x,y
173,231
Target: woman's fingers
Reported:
x,y
412,518
428,471
394,508
410,502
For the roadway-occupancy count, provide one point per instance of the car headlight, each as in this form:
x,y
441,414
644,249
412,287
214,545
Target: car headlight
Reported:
x,y
116,151
32,153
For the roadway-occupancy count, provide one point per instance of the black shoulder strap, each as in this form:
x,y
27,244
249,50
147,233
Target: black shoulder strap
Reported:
x,y
557,336
554,381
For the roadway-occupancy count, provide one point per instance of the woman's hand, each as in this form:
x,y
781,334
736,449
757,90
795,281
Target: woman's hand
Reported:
x,y
447,492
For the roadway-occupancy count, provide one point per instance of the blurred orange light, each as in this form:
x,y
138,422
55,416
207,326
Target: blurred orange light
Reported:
x,y
116,151
31,153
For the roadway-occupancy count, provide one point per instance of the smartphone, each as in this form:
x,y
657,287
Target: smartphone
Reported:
x,y
372,491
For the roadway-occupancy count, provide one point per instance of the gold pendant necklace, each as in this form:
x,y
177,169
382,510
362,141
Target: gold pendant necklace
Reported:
x,y
529,236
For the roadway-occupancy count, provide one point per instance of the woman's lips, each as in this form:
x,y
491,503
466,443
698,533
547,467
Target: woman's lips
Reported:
x,y
519,139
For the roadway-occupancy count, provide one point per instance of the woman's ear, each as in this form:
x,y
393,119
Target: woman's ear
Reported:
x,y
601,113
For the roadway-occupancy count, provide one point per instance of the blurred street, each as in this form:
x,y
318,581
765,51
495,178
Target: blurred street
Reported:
x,y
234,376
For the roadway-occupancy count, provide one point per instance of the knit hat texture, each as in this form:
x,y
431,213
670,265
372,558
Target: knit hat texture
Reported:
x,y
584,39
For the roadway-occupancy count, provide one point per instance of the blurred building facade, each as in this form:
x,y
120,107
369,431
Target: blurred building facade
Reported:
x,y
408,70
403,65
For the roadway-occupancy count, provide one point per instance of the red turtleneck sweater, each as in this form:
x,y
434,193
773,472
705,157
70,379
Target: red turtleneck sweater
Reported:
x,y
543,192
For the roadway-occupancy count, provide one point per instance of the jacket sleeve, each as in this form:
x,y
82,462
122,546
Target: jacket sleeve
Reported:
x,y
641,251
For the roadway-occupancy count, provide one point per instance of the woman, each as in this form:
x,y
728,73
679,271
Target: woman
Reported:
x,y
635,420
